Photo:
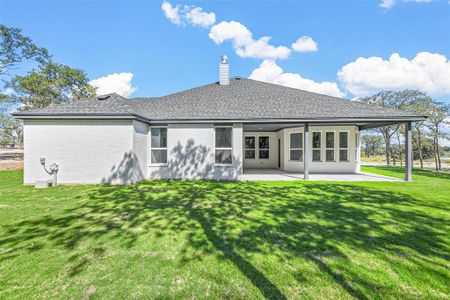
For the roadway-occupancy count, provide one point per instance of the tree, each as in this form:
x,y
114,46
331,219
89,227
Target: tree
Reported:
x,y
422,106
403,100
391,99
50,83
11,130
15,47
371,143
437,116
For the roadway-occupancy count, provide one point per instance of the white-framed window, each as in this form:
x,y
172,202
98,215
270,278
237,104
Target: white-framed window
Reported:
x,y
317,146
263,145
158,145
223,146
250,147
329,146
343,146
296,146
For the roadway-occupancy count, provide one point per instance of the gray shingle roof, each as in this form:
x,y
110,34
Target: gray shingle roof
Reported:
x,y
111,104
243,99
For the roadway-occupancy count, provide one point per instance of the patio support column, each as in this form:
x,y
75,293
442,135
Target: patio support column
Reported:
x,y
408,152
305,152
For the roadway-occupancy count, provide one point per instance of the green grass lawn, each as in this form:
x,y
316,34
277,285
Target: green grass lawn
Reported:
x,y
203,239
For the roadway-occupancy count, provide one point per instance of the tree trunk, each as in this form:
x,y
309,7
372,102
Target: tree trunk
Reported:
x,y
438,155
435,154
419,141
388,150
399,148
393,156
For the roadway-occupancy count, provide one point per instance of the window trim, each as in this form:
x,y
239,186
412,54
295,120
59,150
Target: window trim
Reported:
x,y
158,148
320,149
264,149
334,146
302,148
223,148
348,146
254,149
357,146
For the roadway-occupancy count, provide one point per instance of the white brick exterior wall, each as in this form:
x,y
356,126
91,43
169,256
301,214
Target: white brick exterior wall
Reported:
x,y
118,151
190,154
87,151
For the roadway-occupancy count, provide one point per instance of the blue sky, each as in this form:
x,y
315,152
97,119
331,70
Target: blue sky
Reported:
x,y
354,54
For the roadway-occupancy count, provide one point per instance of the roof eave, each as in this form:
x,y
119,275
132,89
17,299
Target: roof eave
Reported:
x,y
77,116
292,120
262,120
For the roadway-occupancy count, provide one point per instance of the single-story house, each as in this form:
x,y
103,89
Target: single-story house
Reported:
x,y
216,131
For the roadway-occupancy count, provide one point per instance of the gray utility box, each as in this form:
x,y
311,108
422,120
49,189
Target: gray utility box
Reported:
x,y
42,184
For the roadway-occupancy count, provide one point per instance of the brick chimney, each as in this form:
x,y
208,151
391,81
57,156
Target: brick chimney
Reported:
x,y
224,71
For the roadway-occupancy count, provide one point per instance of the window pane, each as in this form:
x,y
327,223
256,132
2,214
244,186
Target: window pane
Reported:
x,y
330,155
159,137
250,154
296,155
343,155
330,139
296,140
343,139
223,157
263,154
263,142
316,155
250,142
223,137
316,139
159,156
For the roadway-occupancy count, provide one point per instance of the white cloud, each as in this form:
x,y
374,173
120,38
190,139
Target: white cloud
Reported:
x,y
119,83
427,72
172,13
197,16
305,44
243,42
188,14
389,3
269,71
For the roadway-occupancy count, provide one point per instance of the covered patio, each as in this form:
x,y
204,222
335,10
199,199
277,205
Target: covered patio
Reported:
x,y
325,150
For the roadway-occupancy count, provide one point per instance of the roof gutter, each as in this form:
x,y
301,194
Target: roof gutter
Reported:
x,y
275,121
246,121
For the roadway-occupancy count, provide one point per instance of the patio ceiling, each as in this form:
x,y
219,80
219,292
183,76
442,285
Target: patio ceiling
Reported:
x,y
267,127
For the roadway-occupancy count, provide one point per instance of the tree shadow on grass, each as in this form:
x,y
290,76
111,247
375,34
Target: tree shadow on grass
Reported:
x,y
238,219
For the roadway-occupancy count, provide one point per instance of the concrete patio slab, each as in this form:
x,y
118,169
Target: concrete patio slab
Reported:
x,y
279,175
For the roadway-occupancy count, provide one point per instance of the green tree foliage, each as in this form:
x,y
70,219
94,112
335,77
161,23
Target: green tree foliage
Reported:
x,y
437,117
399,100
372,144
15,47
420,140
11,130
423,131
50,83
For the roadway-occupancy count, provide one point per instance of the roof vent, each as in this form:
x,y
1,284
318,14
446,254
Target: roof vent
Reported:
x,y
103,97
224,70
